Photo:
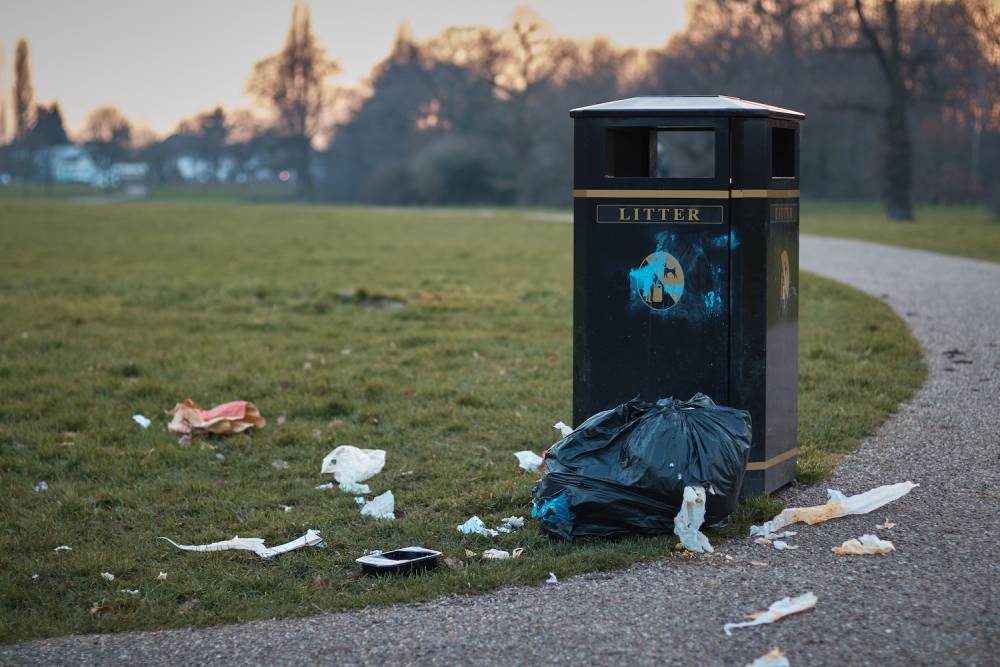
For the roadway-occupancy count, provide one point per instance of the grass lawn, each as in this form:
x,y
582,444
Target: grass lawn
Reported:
x,y
111,310
967,231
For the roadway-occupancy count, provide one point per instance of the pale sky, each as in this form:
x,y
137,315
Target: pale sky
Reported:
x,y
162,61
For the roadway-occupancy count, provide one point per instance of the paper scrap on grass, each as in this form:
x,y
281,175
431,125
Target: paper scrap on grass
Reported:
x,y
563,428
528,460
773,658
380,507
777,611
689,519
475,526
162,576
500,554
141,420
108,576
232,417
867,545
254,544
130,591
63,548
838,505
350,465
510,524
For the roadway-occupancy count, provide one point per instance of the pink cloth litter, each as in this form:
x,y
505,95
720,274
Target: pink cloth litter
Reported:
x,y
233,417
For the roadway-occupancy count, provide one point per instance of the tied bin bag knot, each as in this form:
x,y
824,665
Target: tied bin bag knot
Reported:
x,y
623,471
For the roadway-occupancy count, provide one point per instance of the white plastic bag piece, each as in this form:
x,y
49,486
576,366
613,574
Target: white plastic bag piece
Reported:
x,y
689,520
529,461
563,428
130,591
473,525
354,487
773,658
350,465
512,522
108,576
63,548
552,578
162,576
141,420
779,545
496,554
867,545
777,611
838,505
254,544
380,507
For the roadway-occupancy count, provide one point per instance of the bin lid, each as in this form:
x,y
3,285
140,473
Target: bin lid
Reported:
x,y
685,105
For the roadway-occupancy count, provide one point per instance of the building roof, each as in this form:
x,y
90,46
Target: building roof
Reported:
x,y
685,105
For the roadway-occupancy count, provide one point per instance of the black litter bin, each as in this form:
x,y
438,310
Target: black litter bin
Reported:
x,y
686,227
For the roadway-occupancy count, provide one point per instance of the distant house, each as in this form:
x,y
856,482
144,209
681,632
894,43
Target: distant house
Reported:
x,y
68,163
128,172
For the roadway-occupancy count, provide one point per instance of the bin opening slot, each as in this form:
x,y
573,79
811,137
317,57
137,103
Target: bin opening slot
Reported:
x,y
782,152
658,152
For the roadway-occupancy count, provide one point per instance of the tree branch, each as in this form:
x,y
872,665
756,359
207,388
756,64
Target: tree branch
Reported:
x,y
869,33
858,107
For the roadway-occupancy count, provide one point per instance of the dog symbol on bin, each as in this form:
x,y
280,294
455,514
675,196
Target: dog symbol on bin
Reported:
x,y
659,280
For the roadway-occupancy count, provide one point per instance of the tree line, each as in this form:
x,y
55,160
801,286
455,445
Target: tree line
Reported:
x,y
902,100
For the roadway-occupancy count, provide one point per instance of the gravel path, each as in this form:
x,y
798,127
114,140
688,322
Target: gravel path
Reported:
x,y
934,602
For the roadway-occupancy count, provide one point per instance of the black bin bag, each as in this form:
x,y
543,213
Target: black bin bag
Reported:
x,y
624,470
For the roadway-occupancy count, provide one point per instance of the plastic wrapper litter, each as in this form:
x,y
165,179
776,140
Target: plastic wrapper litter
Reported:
x,y
624,470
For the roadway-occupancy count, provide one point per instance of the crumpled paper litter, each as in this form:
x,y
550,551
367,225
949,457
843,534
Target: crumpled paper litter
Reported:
x,y
689,519
838,505
777,611
867,545
254,544
380,507
528,460
351,465
232,417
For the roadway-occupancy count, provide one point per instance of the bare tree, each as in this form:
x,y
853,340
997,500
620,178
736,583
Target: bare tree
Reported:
x,y
893,66
108,134
23,93
211,130
293,83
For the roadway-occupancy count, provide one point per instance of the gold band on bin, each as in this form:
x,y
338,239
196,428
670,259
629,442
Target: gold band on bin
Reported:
x,y
780,458
690,194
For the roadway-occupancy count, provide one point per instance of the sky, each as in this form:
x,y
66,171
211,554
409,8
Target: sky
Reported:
x,y
164,60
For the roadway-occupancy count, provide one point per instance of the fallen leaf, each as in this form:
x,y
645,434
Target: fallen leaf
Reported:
x,y
470,554
98,609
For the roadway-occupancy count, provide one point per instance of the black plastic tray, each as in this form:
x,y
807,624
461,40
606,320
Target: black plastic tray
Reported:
x,y
400,561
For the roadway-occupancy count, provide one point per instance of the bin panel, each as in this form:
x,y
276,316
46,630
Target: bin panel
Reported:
x,y
651,285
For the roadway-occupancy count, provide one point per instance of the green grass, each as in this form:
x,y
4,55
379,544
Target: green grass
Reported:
x,y
50,191
223,194
111,310
966,231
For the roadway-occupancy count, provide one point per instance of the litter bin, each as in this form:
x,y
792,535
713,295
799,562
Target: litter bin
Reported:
x,y
686,262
